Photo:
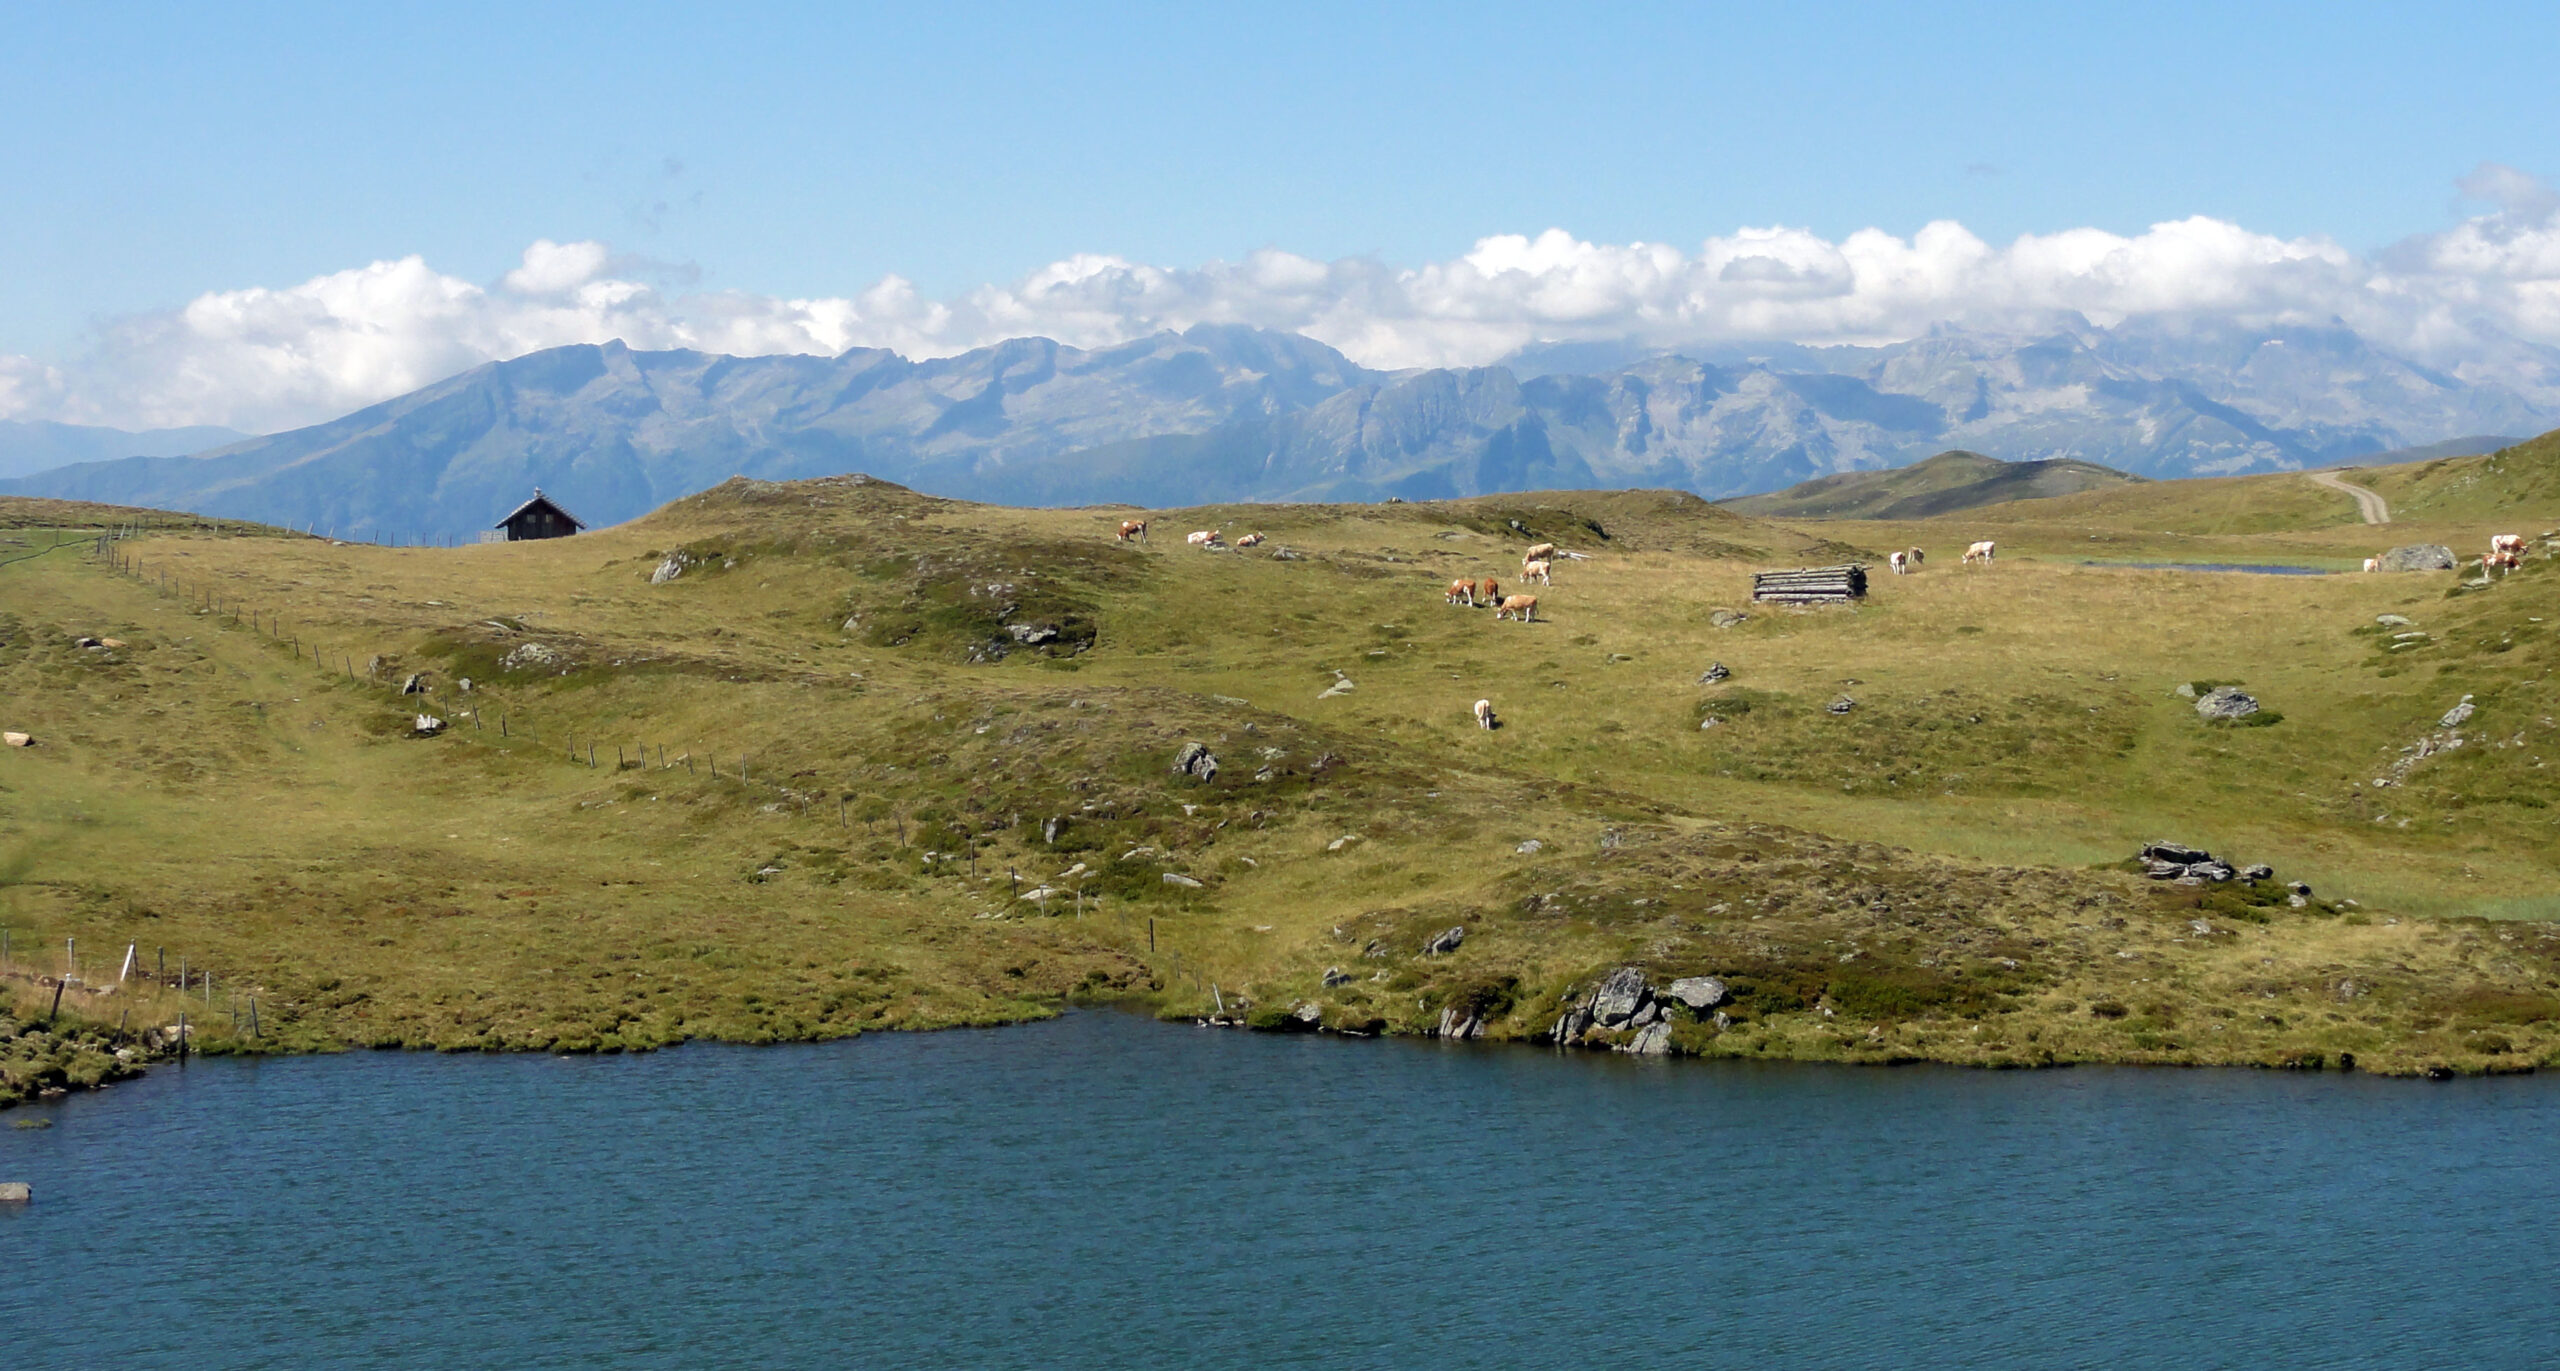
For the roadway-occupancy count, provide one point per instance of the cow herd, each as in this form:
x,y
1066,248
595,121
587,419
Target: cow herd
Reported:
x,y
1537,567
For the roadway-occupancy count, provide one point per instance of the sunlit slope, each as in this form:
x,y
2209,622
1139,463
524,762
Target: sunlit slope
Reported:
x,y
838,746
1945,484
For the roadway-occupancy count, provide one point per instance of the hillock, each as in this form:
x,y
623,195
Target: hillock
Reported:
x,y
1944,484
792,760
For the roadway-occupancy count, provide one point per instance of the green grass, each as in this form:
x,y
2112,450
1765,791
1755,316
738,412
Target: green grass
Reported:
x,y
1935,873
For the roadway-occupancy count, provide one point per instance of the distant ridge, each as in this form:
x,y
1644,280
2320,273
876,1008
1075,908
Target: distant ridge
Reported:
x,y
1226,412
30,446
1942,484
2473,445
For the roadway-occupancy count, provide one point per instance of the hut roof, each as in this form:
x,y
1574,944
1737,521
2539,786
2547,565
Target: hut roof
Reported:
x,y
539,499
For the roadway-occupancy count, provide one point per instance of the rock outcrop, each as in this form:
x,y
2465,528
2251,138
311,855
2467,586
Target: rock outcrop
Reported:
x,y
2226,703
2419,557
1197,761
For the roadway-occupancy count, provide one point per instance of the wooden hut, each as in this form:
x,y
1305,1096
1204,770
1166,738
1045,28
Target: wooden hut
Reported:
x,y
1811,585
539,517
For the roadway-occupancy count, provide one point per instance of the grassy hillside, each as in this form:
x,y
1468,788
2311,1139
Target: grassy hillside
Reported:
x,y
1944,484
816,782
2519,480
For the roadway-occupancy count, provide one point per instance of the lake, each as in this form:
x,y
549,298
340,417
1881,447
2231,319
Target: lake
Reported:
x,y
1103,1190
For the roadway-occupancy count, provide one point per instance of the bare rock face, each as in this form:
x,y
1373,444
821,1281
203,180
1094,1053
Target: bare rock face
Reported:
x,y
2419,557
16,739
428,726
1443,944
15,1192
676,564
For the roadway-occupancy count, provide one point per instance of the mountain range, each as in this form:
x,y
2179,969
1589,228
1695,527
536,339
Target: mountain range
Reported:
x,y
33,446
1222,412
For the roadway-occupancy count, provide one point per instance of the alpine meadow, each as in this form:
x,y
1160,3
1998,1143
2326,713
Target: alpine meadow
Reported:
x,y
807,759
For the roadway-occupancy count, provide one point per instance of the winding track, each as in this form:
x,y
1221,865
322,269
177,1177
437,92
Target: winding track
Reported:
x,y
2368,503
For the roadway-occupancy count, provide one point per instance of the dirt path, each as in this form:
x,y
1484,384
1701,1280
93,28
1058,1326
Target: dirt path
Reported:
x,y
2368,503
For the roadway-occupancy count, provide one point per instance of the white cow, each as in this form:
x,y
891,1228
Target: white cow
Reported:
x,y
1540,572
1484,714
2373,564
1543,552
1981,551
1207,537
1900,561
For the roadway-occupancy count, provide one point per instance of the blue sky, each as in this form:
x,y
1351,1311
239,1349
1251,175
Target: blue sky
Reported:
x,y
164,151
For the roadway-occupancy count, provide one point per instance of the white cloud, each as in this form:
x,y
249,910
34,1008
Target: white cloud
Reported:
x,y
264,358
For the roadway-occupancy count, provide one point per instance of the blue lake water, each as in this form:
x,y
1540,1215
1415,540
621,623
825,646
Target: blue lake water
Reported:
x,y
1107,1191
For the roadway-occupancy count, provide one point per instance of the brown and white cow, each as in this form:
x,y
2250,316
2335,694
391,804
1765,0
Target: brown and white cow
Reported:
x,y
2506,542
1462,592
1489,591
1484,714
1981,551
1900,562
1207,537
1540,572
1522,607
1543,552
1917,557
1133,530
1249,540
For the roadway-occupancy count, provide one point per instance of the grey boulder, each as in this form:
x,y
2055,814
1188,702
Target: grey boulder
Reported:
x,y
1620,996
2226,702
2419,557
1195,759
1698,992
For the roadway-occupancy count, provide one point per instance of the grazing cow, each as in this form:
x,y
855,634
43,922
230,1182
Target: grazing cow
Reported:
x,y
1543,552
1900,561
1525,607
2504,559
1207,537
2373,564
1539,572
1917,557
1489,591
1484,714
2506,542
1462,592
1249,540
1133,530
1981,551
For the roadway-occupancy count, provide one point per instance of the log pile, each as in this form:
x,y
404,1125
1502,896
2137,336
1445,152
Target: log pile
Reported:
x,y
1811,585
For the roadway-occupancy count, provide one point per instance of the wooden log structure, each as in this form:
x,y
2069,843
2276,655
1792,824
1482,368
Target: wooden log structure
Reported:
x,y
1811,585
